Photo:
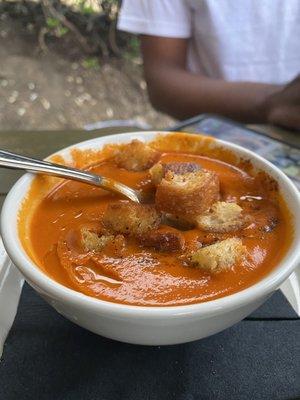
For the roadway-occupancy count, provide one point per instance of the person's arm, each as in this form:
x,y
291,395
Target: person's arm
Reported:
x,y
182,94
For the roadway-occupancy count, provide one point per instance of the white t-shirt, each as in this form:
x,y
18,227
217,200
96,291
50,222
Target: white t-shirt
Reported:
x,y
250,40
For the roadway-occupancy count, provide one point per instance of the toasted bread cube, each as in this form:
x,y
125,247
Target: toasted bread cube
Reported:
x,y
136,156
177,222
219,256
222,217
164,239
130,218
116,246
157,173
159,170
92,241
187,195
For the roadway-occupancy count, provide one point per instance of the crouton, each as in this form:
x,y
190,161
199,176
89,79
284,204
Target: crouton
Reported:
x,y
219,256
177,222
130,218
136,156
92,241
187,195
116,246
159,170
157,173
222,217
164,239
95,242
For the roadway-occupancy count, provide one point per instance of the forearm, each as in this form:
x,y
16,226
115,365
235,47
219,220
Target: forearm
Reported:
x,y
183,94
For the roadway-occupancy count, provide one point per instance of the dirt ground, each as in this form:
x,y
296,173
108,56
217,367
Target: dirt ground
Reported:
x,y
53,90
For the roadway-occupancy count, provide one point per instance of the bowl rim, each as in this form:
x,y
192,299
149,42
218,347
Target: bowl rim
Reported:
x,y
45,284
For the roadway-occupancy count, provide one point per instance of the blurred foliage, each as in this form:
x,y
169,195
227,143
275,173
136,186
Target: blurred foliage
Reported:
x,y
52,23
91,63
134,47
91,24
85,8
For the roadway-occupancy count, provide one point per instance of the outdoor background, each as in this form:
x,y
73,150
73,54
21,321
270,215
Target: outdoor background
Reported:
x,y
63,64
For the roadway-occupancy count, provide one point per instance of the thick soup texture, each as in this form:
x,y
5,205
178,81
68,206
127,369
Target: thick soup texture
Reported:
x,y
68,240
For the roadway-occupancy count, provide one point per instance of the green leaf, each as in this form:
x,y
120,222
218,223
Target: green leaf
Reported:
x,y
87,10
91,63
52,22
61,31
133,50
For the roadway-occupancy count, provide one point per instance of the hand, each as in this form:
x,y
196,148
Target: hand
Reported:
x,y
283,107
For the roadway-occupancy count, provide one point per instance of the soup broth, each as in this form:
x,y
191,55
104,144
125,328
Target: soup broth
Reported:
x,y
144,274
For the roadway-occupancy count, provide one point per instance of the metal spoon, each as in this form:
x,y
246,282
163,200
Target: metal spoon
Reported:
x,y
16,161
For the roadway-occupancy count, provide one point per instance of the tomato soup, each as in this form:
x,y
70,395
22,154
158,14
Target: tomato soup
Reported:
x,y
142,274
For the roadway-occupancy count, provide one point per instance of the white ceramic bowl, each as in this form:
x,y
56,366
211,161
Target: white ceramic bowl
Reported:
x,y
150,325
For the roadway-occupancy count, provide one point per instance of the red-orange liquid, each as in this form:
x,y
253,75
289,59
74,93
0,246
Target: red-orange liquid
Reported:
x,y
143,276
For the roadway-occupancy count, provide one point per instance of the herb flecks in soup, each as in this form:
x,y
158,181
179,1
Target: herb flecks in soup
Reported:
x,y
214,227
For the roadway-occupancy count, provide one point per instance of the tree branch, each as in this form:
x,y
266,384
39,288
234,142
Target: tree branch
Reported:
x,y
64,21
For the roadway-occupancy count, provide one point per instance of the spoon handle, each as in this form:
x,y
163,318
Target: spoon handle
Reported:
x,y
16,161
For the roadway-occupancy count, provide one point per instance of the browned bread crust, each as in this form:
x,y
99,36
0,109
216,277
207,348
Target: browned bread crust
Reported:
x,y
187,195
130,218
222,217
159,170
164,239
177,222
92,241
219,256
136,156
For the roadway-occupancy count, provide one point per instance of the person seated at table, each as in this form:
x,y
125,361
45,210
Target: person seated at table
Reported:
x,y
239,59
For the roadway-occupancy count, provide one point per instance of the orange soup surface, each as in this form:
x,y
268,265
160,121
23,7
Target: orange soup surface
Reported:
x,y
143,275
